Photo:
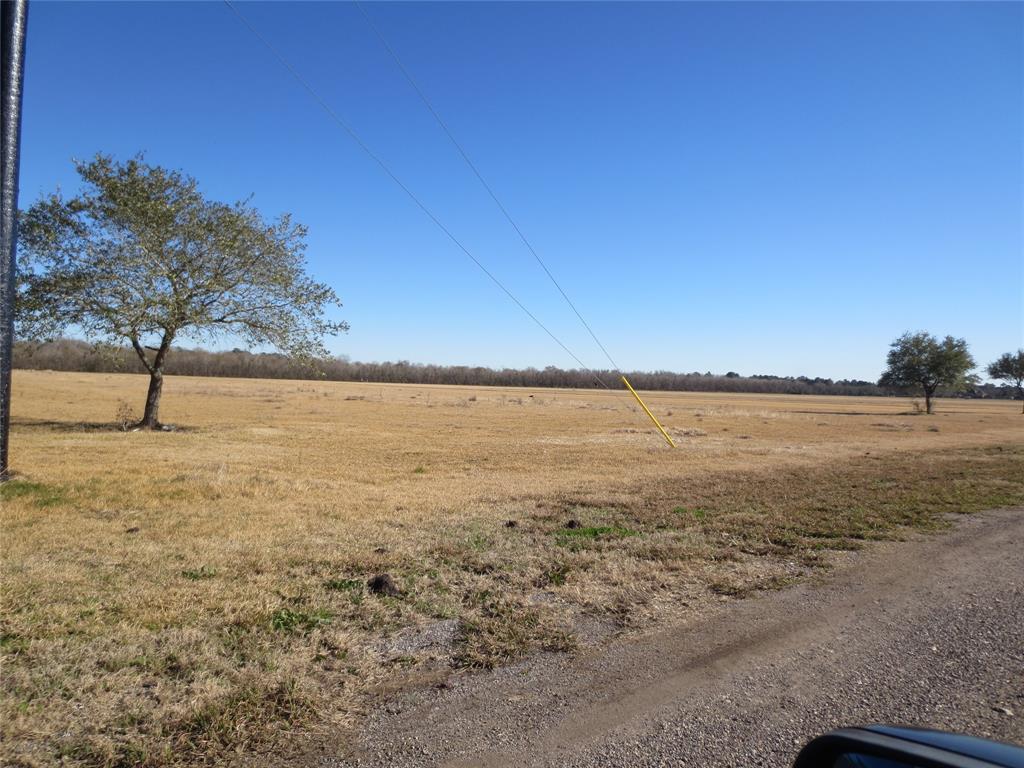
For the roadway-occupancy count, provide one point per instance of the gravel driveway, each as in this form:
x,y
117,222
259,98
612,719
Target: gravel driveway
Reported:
x,y
925,632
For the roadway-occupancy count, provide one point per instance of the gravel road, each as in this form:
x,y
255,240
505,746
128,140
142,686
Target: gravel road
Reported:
x,y
926,632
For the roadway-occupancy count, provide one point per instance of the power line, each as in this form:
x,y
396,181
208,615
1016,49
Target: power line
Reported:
x,y
380,162
490,191
412,196
480,178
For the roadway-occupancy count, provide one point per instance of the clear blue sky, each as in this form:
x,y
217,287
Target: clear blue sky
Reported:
x,y
766,188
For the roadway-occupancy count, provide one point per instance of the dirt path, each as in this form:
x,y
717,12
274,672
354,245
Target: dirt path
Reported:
x,y
927,632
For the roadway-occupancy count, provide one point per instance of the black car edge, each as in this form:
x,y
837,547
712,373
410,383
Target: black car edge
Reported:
x,y
878,746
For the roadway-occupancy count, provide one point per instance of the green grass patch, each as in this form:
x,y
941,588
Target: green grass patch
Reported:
x,y
291,621
42,495
12,643
199,574
697,514
570,536
343,585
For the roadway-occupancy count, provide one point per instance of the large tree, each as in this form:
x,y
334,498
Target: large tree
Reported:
x,y
1009,368
921,360
140,255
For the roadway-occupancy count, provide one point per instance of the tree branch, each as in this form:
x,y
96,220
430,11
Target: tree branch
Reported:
x,y
137,346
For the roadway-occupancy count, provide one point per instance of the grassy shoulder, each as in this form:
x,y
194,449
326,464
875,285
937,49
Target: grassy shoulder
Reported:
x,y
162,640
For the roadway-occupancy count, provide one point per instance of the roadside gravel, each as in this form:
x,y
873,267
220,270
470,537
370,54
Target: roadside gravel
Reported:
x,y
927,632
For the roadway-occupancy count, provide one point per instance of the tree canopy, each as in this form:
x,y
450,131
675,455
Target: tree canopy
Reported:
x,y
922,360
1009,368
141,255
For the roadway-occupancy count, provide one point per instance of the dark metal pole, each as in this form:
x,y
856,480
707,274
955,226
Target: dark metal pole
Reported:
x,y
12,33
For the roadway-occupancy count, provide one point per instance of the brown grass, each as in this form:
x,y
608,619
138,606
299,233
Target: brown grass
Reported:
x,y
199,596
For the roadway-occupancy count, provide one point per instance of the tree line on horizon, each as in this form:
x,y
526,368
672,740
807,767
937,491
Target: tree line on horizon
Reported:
x,y
75,355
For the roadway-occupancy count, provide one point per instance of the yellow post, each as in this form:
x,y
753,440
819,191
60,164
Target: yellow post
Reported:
x,y
648,412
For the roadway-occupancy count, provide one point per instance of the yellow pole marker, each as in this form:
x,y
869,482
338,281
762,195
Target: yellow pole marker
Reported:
x,y
648,412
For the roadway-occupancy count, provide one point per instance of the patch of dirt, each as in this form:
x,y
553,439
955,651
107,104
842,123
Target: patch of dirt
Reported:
x,y
440,636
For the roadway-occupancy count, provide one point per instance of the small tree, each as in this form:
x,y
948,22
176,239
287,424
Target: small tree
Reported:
x,y
921,360
141,256
1009,368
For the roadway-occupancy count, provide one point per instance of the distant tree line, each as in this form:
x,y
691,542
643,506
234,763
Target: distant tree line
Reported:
x,y
75,355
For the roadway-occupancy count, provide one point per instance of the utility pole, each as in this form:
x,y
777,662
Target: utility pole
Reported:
x,y
13,23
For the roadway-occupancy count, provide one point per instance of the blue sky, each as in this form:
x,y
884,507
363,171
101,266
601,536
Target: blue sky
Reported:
x,y
767,188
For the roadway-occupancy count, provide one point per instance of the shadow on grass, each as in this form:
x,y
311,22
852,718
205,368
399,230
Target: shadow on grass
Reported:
x,y
844,413
53,425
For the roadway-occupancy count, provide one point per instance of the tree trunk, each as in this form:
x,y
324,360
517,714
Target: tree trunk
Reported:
x,y
150,418
928,400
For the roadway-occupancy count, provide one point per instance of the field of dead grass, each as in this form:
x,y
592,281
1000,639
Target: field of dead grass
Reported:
x,y
199,596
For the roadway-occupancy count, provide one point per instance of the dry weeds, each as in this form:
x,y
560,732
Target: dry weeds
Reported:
x,y
199,597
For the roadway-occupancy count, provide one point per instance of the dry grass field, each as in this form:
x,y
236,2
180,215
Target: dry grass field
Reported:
x,y
199,596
